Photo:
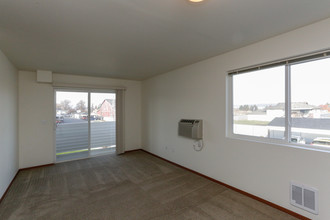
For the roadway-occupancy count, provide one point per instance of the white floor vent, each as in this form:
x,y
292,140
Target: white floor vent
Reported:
x,y
304,197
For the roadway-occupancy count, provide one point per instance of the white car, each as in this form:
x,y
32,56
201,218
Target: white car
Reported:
x,y
321,141
297,139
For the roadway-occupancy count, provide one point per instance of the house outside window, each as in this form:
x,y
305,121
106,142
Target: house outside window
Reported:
x,y
107,110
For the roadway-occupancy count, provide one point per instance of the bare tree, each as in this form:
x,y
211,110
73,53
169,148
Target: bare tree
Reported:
x,y
66,105
81,106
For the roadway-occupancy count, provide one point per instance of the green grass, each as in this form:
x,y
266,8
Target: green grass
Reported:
x,y
71,152
247,122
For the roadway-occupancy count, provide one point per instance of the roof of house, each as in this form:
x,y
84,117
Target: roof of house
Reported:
x,y
108,100
294,106
312,123
111,101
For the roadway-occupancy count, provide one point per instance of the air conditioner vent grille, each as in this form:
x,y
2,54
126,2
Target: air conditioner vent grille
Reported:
x,y
304,197
187,121
191,128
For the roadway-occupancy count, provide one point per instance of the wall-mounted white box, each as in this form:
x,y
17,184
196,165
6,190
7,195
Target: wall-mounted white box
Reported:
x,y
44,76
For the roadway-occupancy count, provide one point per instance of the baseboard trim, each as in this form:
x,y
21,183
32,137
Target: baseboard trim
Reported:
x,y
11,183
130,151
236,189
29,168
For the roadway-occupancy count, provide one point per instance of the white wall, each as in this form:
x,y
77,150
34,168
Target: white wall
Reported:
x,y
199,91
36,113
8,123
36,104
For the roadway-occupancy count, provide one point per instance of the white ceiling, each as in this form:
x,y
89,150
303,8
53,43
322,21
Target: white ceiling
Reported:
x,y
136,39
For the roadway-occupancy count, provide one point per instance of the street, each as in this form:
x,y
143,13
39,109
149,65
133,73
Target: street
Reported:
x,y
73,120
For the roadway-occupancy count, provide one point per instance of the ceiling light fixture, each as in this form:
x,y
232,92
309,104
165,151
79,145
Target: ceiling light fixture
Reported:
x,y
195,1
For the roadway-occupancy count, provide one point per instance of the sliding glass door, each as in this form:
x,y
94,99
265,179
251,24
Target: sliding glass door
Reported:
x,y
103,123
85,124
71,125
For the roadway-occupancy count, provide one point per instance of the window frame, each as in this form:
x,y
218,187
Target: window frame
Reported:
x,y
287,63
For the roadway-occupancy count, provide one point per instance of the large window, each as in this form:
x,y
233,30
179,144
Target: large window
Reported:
x,y
287,101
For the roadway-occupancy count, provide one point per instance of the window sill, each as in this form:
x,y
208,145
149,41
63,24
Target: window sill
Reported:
x,y
277,142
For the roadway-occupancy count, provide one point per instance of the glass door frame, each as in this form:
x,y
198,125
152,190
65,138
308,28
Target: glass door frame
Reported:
x,y
88,91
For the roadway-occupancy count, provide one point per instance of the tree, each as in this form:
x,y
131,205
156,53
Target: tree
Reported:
x,y
244,107
253,108
66,105
81,106
58,106
248,108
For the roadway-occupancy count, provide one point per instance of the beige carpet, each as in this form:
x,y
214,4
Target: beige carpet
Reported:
x,y
132,186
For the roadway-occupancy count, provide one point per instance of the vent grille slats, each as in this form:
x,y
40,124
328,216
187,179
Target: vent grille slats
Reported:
x,y
304,197
191,128
187,121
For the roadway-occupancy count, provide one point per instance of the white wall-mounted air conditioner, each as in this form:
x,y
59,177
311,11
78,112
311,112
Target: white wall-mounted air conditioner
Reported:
x,y
191,128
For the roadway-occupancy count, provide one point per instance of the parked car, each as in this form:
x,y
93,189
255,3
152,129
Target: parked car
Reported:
x,y
59,119
298,140
83,117
321,141
96,117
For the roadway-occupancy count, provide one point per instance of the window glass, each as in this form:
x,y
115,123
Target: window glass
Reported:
x,y
259,103
310,102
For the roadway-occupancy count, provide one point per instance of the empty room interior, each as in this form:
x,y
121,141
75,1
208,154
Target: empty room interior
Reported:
x,y
182,109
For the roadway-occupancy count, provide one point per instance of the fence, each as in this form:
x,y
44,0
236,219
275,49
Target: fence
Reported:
x,y
74,136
